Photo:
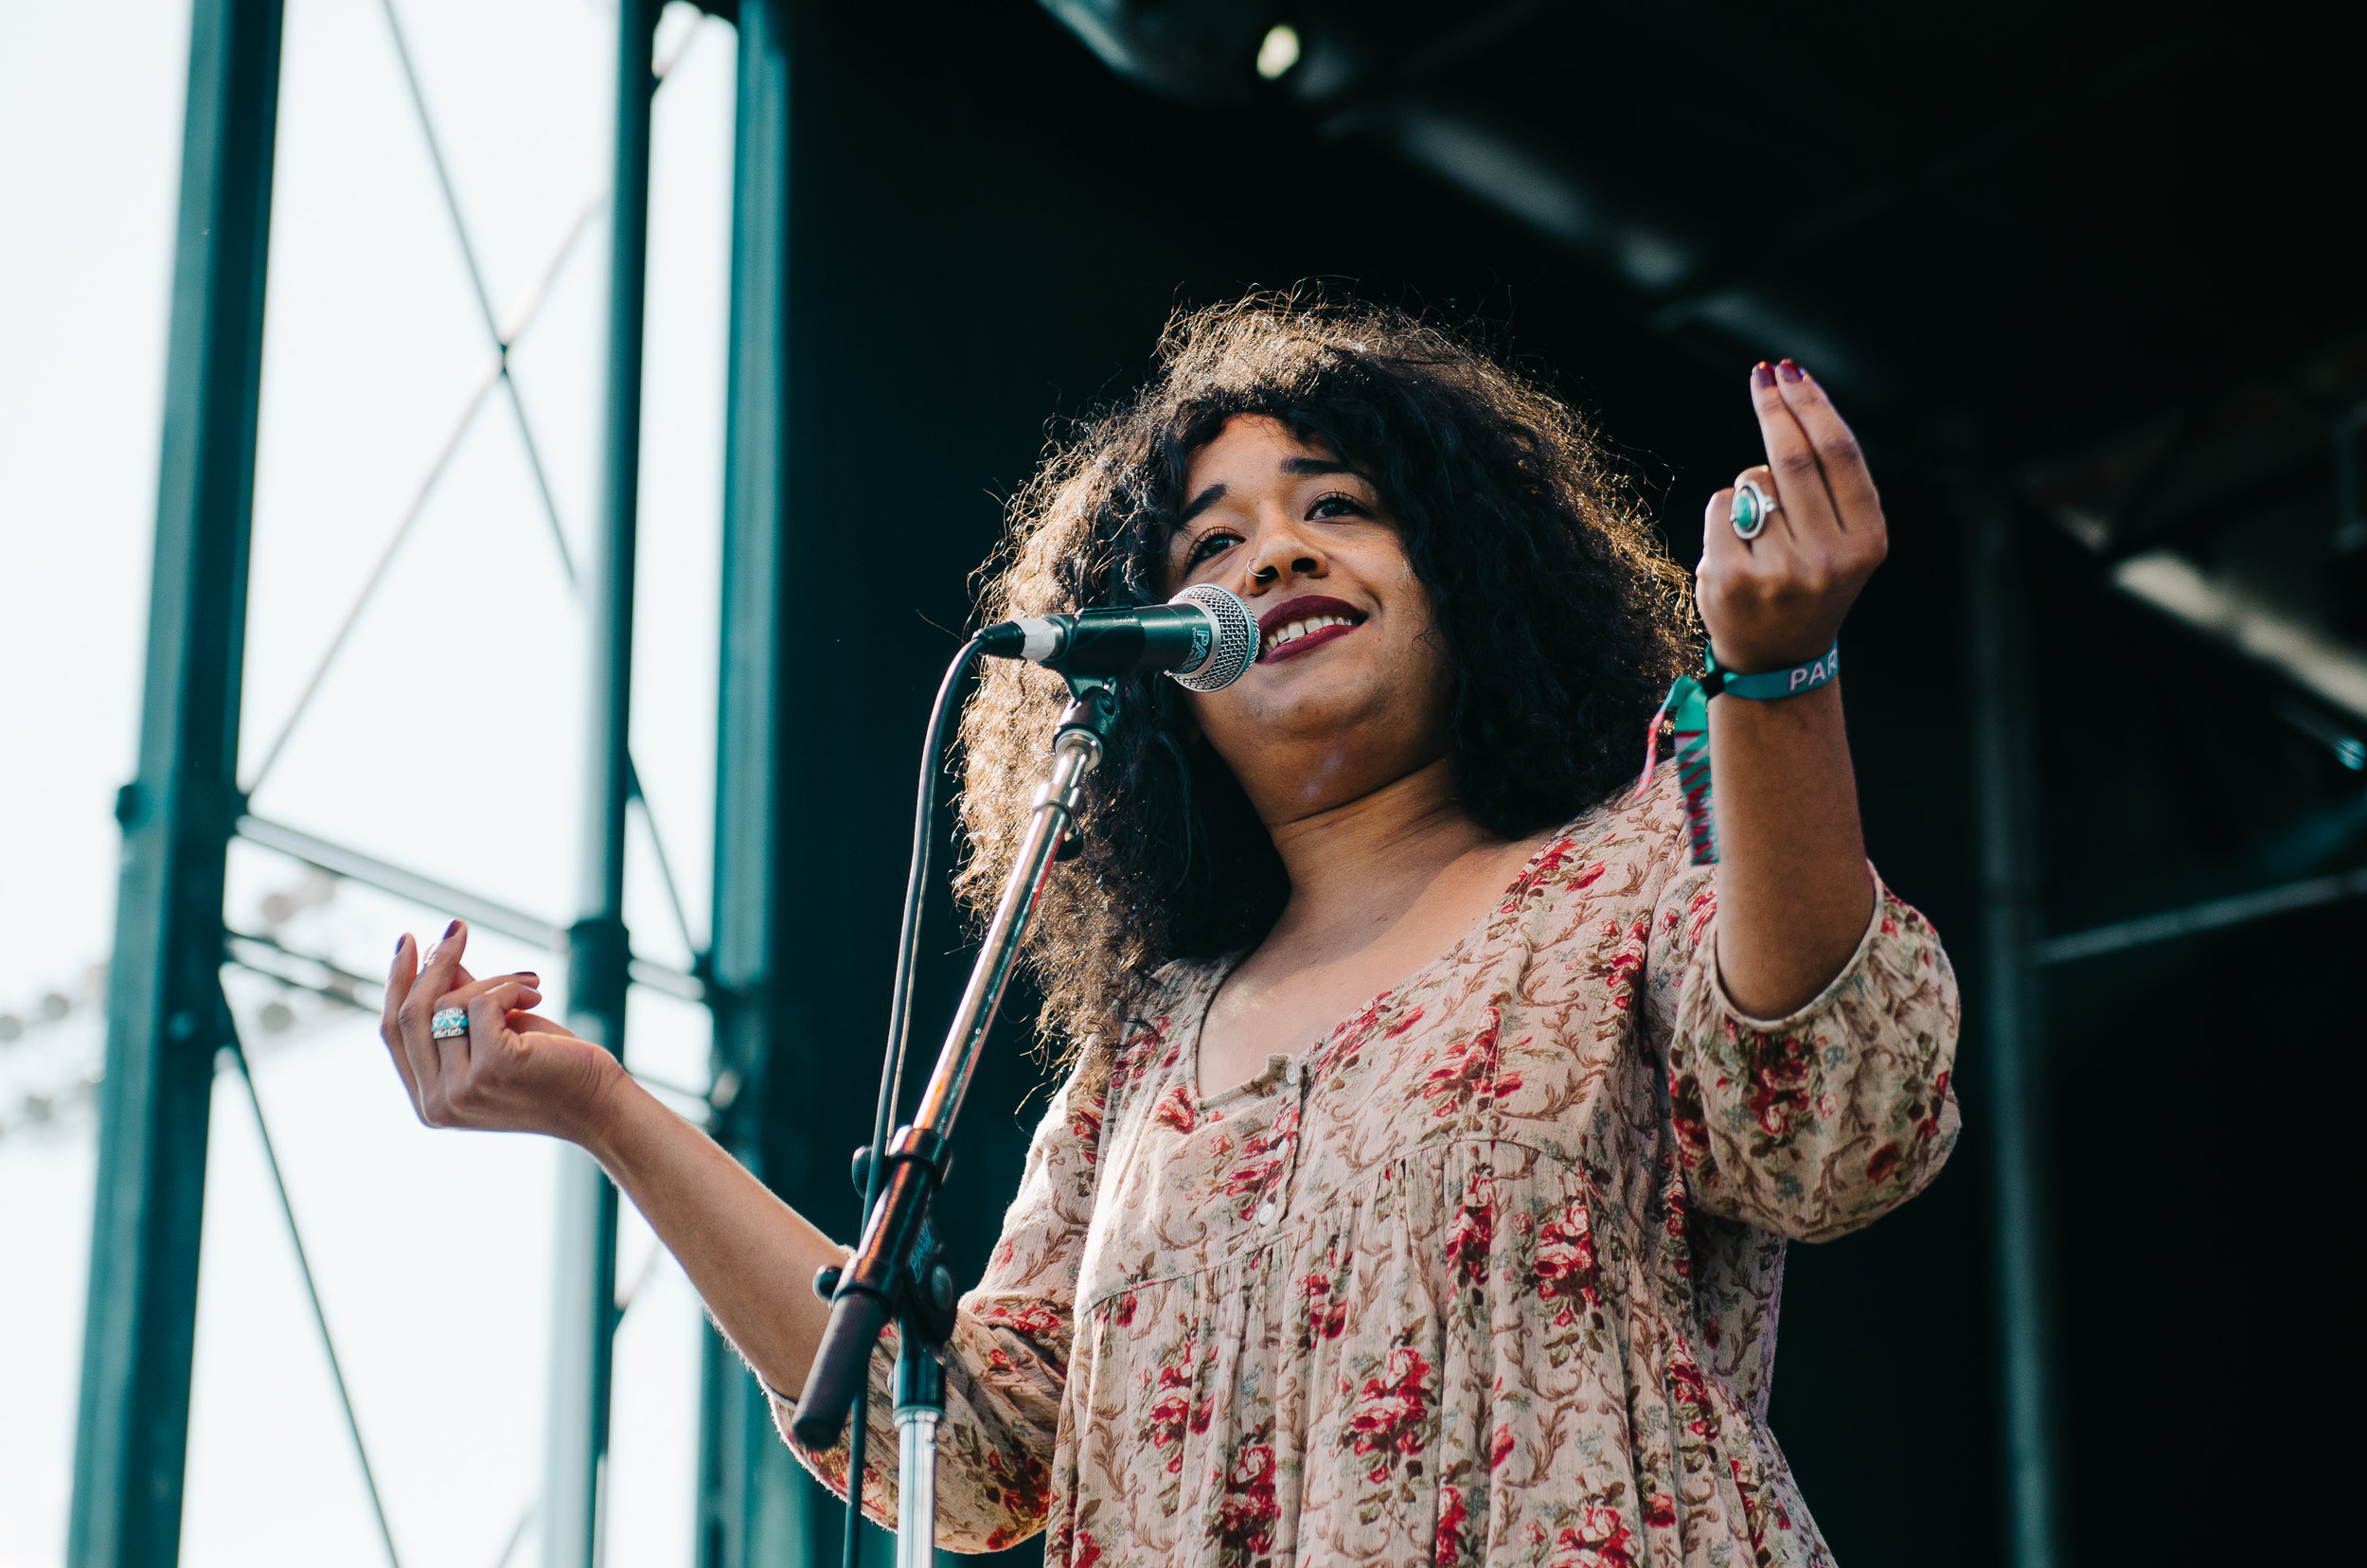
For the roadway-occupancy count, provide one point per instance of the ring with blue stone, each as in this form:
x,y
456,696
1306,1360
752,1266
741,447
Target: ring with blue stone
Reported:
x,y
448,1023
1753,507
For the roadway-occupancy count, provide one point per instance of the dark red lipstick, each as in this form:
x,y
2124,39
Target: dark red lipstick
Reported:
x,y
1303,607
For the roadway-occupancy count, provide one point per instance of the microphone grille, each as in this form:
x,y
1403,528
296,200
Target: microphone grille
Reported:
x,y
1237,638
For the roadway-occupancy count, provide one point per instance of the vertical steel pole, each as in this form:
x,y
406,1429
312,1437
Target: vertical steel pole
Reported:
x,y
164,1013
582,1338
755,1504
2014,1032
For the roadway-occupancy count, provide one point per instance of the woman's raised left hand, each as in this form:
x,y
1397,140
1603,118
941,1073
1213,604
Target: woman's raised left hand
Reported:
x,y
1778,599
512,1072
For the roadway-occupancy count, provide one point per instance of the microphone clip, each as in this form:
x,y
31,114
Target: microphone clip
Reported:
x,y
1091,715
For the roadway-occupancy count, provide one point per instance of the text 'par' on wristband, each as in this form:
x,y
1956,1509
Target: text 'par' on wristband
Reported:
x,y
1770,685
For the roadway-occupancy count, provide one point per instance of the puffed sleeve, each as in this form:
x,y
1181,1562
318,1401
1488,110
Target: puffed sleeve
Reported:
x,y
1821,1121
1007,1360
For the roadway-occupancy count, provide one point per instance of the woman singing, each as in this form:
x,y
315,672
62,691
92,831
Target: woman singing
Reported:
x,y
1434,1125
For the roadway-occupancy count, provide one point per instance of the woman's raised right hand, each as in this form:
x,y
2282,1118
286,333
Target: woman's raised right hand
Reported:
x,y
513,1072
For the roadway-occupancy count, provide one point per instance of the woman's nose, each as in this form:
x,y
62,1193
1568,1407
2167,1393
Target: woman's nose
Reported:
x,y
1285,553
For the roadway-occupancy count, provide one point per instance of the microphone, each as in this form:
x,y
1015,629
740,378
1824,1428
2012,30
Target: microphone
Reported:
x,y
1204,637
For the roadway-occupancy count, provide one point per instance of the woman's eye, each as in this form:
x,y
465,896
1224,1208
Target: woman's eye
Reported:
x,y
1206,547
1336,503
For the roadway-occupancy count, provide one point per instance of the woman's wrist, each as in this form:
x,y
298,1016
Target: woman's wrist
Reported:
x,y
613,1116
1756,655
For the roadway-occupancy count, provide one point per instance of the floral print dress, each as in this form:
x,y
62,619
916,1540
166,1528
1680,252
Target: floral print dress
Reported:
x,y
1489,1275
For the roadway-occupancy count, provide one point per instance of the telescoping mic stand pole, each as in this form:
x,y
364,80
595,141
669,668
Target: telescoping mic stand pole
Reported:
x,y
894,1272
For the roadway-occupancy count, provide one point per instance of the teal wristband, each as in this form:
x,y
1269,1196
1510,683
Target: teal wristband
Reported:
x,y
1683,718
1770,686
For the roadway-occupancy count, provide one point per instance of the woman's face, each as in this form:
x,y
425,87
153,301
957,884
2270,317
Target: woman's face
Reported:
x,y
1350,687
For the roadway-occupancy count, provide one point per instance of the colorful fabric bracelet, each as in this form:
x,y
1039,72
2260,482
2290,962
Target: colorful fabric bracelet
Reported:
x,y
1770,685
1685,714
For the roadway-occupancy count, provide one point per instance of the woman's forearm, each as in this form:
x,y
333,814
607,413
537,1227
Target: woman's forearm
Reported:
x,y
751,1257
1793,892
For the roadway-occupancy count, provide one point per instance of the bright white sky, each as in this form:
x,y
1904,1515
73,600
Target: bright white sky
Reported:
x,y
445,735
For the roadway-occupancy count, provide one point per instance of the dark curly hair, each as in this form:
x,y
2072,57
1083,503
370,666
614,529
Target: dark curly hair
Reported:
x,y
1564,620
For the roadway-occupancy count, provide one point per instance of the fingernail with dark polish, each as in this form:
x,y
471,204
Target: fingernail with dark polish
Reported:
x,y
1762,375
450,928
529,977
1789,371
399,942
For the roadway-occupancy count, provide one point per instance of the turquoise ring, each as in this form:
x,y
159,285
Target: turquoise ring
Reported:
x,y
1753,507
448,1023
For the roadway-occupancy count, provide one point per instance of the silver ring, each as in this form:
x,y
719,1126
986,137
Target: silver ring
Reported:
x,y
448,1023
1753,507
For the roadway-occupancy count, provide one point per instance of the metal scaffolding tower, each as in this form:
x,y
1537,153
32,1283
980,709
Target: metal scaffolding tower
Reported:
x,y
583,1331
754,1504
166,1016
2013,1029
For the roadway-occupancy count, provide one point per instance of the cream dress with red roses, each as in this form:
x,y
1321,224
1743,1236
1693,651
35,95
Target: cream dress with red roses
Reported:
x,y
1489,1275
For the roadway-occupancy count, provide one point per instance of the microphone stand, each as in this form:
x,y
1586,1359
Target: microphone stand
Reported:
x,y
895,1272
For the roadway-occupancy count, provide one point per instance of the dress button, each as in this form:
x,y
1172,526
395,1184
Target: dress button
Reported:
x,y
1265,1212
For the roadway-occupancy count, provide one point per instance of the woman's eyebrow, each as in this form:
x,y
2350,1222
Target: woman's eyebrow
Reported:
x,y
1201,502
1295,466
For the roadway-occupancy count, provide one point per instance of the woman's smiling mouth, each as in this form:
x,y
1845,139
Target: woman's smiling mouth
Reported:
x,y
1300,625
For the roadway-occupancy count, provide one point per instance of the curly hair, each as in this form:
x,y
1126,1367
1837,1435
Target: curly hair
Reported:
x,y
1563,619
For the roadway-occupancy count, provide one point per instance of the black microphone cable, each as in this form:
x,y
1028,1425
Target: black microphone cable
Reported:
x,y
900,1034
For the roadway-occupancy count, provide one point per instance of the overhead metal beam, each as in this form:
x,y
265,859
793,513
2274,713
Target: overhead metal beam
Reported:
x,y
599,948
482,913
755,1506
2011,1032
2212,914
164,1013
354,865
2227,614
